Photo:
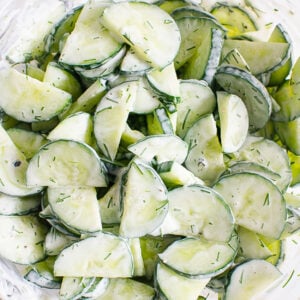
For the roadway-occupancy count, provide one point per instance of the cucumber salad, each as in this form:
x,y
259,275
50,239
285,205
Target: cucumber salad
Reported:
x,y
150,150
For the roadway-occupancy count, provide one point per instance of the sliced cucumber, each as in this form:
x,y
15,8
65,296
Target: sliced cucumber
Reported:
x,y
133,64
56,241
60,29
235,58
289,133
62,79
144,200
234,121
162,35
102,255
13,169
190,11
111,117
127,289
75,287
203,64
250,278
77,127
66,163
199,258
172,285
271,55
30,100
259,150
87,100
27,141
250,90
235,19
165,83
17,206
89,35
76,207
200,212
193,30
164,147
22,238
205,158
197,99
256,202
174,174
159,122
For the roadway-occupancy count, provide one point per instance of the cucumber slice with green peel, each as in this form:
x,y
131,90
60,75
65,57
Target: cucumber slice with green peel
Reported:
x,y
255,167
235,19
63,80
146,99
66,163
200,212
205,157
250,278
41,274
64,26
76,207
235,58
289,133
98,287
56,241
27,141
75,287
203,64
30,100
164,147
111,117
190,11
271,55
88,36
103,70
162,34
256,203
288,96
159,122
18,206
171,5
144,203
87,100
295,167
127,289
199,258
135,248
193,31
133,64
13,169
101,255
172,285
197,100
251,246
165,83
258,150
234,121
255,96
22,238
77,127
280,35
174,174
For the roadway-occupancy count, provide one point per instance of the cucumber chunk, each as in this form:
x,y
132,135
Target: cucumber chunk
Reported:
x,y
133,21
30,100
101,255
256,202
66,163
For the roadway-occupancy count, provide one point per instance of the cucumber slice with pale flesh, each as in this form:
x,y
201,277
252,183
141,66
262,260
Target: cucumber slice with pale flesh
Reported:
x,y
256,203
66,163
144,201
133,21
30,100
101,255
255,96
234,121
